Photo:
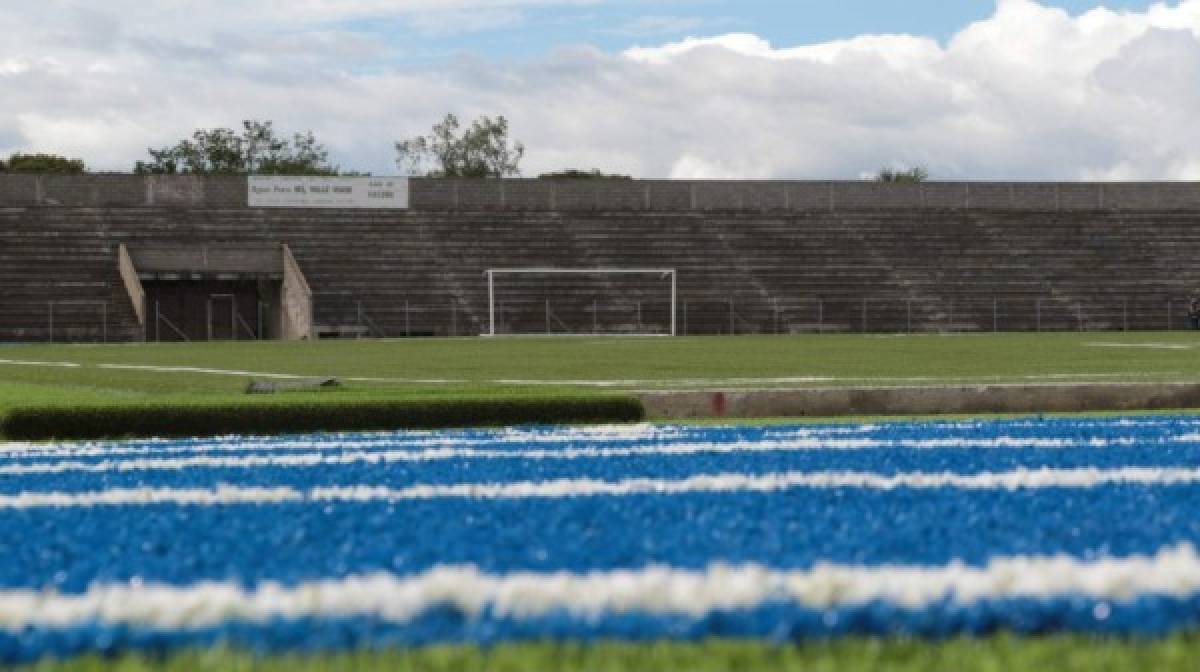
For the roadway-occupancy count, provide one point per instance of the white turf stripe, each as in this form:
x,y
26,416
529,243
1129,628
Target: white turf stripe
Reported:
x,y
1172,572
350,451
709,483
601,434
146,496
450,452
648,436
1010,480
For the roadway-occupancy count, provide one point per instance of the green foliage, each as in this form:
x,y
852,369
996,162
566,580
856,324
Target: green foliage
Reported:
x,y
306,157
1064,653
257,150
42,163
575,174
913,175
480,150
302,414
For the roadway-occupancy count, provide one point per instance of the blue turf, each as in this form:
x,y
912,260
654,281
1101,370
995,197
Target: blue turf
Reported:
x,y
792,529
72,548
1156,446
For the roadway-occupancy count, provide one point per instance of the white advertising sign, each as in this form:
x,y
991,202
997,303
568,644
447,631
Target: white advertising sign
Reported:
x,y
327,192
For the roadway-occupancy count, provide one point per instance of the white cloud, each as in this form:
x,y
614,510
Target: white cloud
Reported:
x,y
1029,93
898,51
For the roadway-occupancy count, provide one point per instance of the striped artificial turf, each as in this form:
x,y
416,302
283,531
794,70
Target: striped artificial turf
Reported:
x,y
1001,653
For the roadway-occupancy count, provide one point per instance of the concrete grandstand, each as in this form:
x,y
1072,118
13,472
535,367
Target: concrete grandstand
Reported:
x,y
127,258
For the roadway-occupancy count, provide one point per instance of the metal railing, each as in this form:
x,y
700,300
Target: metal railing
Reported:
x,y
699,314
963,313
732,314
342,314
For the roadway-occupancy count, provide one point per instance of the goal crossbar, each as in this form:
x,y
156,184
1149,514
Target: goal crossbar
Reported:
x,y
491,274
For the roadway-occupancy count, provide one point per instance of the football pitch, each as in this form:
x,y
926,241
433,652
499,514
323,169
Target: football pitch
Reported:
x,y
524,366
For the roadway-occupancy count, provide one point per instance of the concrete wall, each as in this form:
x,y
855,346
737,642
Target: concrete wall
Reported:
x,y
296,300
207,258
924,400
780,196
122,191
628,195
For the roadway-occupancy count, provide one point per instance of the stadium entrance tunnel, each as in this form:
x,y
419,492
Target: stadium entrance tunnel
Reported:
x,y
216,292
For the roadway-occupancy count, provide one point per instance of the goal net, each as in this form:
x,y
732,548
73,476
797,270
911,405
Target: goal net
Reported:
x,y
595,301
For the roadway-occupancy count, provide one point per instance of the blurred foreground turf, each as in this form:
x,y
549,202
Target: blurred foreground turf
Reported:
x,y
1058,653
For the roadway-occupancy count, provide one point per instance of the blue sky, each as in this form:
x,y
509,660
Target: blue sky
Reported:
x,y
616,25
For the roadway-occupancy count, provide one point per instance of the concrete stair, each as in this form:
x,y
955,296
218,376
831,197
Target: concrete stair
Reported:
x,y
417,273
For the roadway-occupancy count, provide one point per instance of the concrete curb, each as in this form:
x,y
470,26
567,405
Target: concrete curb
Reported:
x,y
1013,398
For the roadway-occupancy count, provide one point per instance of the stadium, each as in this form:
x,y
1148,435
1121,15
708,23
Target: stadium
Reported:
x,y
585,424
110,258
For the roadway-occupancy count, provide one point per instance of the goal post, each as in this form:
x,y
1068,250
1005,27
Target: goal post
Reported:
x,y
639,281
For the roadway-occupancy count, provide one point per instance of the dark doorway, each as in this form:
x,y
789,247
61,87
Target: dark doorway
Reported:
x,y
206,309
222,317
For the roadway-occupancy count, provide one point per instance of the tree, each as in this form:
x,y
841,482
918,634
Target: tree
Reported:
x,y
305,157
911,176
576,174
42,163
480,150
257,150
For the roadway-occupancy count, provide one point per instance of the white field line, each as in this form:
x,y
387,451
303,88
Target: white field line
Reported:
x,y
266,374
667,384
58,365
657,383
193,369
677,382
1150,346
656,590
1019,479
387,456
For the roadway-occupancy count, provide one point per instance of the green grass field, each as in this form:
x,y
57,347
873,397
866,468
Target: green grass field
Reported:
x,y
482,367
997,654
